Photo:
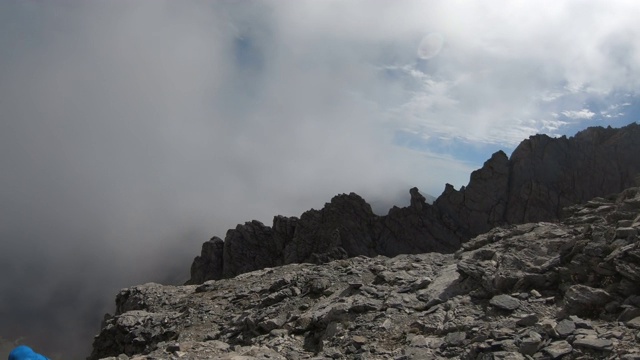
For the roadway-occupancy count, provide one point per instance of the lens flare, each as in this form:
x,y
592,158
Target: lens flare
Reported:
x,y
430,46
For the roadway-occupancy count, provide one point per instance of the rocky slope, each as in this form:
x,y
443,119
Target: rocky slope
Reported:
x,y
566,290
542,176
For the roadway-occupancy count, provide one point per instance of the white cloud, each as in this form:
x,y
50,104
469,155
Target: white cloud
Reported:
x,y
553,125
613,110
504,64
578,114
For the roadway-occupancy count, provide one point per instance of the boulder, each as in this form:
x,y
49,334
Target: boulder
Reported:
x,y
584,300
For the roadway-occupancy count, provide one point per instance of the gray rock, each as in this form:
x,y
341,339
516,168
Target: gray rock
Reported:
x,y
629,312
594,343
633,323
455,338
505,302
507,355
419,340
557,349
629,270
565,328
585,300
580,323
527,320
625,232
531,343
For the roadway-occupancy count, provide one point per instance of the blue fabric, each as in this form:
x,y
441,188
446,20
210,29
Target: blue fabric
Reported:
x,y
23,352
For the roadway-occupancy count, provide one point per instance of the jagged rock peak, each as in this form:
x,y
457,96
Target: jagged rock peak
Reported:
x,y
542,176
208,266
566,290
417,199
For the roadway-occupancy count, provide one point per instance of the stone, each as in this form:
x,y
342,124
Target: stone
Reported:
x,y
358,341
565,328
507,355
585,300
593,343
557,349
173,347
531,343
548,327
505,302
629,312
455,338
419,341
626,232
318,286
633,323
580,323
527,320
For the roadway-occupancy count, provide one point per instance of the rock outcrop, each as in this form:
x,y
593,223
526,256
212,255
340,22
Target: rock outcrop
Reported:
x,y
208,266
345,227
542,176
542,290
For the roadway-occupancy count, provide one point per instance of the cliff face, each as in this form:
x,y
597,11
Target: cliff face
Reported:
x,y
542,176
567,290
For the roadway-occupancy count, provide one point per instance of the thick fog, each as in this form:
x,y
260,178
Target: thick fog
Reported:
x,y
131,132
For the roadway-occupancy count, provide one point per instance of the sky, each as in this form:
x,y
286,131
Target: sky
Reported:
x,y
131,132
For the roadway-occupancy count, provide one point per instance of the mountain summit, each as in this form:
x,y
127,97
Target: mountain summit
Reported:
x,y
542,176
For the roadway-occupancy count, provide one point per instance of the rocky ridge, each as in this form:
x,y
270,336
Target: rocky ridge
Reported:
x,y
541,290
542,176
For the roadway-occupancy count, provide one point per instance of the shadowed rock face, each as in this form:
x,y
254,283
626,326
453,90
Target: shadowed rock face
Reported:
x,y
565,290
542,176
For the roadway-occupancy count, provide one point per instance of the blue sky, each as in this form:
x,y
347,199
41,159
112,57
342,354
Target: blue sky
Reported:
x,y
131,132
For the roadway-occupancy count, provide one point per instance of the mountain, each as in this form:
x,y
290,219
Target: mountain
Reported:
x,y
542,176
566,290
537,258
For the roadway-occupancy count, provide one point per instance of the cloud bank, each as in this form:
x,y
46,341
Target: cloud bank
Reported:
x,y
131,132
